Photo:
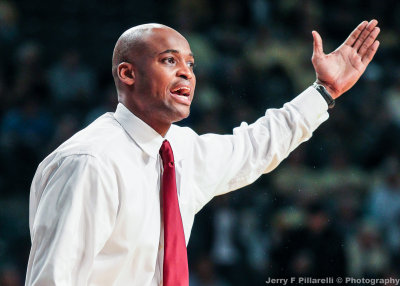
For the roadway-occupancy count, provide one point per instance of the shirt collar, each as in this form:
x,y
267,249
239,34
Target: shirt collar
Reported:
x,y
145,136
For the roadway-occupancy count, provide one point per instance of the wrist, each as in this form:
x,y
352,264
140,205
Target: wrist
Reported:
x,y
332,92
330,101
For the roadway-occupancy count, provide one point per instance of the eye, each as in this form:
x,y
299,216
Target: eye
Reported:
x,y
169,60
191,65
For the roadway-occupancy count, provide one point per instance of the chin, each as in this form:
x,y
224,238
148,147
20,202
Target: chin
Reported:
x,y
182,115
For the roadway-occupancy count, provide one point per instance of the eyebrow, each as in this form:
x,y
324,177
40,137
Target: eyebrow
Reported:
x,y
174,52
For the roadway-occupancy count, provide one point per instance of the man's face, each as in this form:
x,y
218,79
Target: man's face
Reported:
x,y
164,78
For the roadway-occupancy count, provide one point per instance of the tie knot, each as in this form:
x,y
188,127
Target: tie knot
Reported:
x,y
166,153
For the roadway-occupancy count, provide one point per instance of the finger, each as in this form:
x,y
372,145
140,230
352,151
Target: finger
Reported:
x,y
318,48
369,41
370,53
354,35
365,33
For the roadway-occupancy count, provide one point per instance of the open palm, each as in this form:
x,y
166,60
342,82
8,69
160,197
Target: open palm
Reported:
x,y
340,70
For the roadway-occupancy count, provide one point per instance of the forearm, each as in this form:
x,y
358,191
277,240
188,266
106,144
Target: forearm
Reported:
x,y
230,162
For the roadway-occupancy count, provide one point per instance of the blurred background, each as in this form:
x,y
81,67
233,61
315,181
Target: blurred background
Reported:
x,y
331,209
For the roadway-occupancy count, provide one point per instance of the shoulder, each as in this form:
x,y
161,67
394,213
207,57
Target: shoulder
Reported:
x,y
99,140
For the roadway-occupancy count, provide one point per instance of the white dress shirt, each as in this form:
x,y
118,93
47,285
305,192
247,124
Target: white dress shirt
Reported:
x,y
95,213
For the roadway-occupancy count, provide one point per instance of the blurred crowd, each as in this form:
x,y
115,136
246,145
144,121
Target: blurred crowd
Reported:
x,y
331,209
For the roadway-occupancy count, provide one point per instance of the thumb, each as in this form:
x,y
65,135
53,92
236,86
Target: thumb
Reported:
x,y
318,48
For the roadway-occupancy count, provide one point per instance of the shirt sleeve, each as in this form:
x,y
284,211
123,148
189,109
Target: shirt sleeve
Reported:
x,y
74,203
228,162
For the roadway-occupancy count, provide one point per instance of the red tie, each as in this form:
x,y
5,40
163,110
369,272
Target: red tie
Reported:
x,y
175,272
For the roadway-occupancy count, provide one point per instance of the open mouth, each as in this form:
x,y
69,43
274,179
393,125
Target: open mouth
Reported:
x,y
181,94
182,91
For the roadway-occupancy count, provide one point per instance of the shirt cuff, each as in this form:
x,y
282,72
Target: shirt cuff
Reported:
x,y
312,106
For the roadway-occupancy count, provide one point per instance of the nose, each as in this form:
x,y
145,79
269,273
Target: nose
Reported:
x,y
184,71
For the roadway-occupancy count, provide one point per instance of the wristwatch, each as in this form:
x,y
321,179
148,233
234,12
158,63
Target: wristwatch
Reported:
x,y
325,94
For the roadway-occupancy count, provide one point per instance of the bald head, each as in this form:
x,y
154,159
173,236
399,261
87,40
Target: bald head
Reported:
x,y
153,72
132,44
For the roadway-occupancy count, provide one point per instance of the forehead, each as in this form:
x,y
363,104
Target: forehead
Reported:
x,y
161,39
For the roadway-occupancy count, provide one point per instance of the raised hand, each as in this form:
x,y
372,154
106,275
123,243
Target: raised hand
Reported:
x,y
340,70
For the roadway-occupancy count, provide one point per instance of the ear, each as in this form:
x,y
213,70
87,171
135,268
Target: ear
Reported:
x,y
126,73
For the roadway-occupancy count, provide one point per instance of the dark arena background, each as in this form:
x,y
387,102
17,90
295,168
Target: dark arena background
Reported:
x,y
332,209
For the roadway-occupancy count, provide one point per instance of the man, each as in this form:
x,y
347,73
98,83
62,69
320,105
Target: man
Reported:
x,y
114,204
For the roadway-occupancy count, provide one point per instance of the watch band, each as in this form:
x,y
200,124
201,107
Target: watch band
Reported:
x,y
325,94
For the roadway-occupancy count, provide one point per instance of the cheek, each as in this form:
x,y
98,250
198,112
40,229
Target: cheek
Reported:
x,y
155,76
161,80
194,84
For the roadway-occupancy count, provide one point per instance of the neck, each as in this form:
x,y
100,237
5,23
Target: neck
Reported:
x,y
159,126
